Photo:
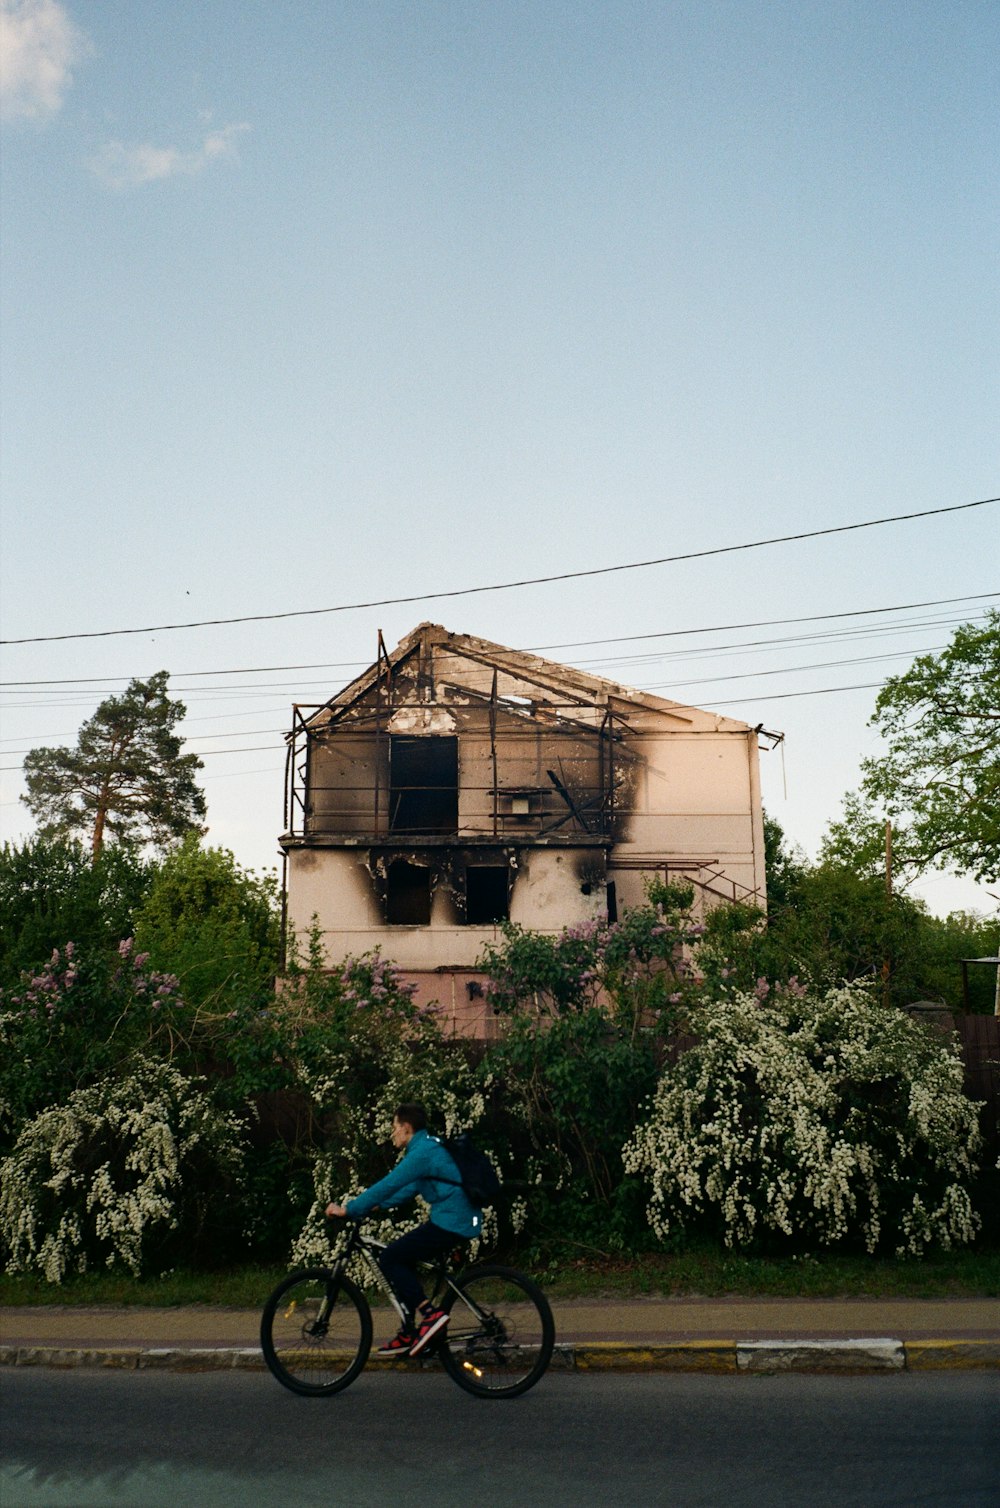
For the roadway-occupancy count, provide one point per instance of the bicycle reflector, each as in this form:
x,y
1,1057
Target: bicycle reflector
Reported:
x,y
470,1368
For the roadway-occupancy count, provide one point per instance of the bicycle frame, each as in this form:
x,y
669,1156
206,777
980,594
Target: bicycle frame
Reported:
x,y
367,1247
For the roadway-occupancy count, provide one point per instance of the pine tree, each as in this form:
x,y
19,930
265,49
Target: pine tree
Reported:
x,y
126,778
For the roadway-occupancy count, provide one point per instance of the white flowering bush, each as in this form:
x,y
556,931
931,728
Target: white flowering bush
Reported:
x,y
818,1120
124,1173
77,1019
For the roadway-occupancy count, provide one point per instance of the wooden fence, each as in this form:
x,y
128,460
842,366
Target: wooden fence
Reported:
x,y
979,1037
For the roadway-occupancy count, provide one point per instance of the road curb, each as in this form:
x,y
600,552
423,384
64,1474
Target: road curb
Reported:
x,y
882,1354
718,1356
679,1356
953,1355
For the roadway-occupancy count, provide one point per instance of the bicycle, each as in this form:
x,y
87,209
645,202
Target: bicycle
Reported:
x,y
316,1328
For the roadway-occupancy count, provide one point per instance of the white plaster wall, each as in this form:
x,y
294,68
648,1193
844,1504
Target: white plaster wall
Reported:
x,y
547,894
695,773
419,948
334,885
423,721
695,796
678,835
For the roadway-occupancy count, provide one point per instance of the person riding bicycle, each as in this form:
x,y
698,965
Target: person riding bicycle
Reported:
x,y
428,1169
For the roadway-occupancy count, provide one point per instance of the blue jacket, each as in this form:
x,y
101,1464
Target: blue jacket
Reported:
x,y
425,1168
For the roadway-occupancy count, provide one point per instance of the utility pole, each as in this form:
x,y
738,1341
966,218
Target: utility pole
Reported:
x,y
886,967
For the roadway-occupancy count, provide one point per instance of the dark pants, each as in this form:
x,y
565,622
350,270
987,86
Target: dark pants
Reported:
x,y
400,1258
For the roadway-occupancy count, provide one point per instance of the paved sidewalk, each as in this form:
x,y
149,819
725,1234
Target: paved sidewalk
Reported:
x,y
727,1334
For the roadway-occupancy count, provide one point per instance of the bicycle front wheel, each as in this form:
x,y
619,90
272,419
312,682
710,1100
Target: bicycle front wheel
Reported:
x,y
316,1332
500,1333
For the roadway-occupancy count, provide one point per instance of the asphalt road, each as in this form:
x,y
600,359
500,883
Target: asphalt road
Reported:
x,y
144,1439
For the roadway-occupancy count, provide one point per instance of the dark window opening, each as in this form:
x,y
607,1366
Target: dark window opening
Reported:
x,y
487,896
408,895
423,785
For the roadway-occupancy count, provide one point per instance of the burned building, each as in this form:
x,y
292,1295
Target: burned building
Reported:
x,y
457,784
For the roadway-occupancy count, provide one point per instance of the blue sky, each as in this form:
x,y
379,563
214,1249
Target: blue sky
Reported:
x,y
323,303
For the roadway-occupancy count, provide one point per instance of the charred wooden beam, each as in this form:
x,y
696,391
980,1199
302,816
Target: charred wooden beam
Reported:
x,y
564,793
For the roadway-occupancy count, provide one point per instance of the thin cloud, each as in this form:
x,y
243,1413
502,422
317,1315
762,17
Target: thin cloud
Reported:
x,y
122,167
39,46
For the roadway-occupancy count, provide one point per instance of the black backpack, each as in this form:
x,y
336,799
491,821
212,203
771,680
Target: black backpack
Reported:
x,y
476,1174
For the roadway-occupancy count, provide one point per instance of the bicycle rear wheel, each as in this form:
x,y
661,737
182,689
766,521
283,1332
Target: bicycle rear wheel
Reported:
x,y
316,1334
500,1334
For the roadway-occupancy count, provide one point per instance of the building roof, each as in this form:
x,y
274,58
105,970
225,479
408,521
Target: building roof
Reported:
x,y
547,679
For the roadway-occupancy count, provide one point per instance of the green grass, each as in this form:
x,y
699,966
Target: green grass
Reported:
x,y
712,1274
708,1272
242,1288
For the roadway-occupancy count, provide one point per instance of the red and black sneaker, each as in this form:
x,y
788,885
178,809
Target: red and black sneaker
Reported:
x,y
432,1322
399,1345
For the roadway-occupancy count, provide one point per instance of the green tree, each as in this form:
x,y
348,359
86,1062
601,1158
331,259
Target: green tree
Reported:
x,y
126,777
841,926
938,781
850,927
212,923
53,892
784,866
945,941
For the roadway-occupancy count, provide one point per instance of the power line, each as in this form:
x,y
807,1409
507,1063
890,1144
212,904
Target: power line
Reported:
x,y
736,675
645,661
504,586
768,696
205,717
751,675
667,686
700,652
781,696
637,660
666,633
190,738
781,643
720,628
201,753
